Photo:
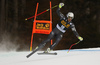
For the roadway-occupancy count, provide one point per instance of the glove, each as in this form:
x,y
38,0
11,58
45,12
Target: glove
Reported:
x,y
61,5
80,38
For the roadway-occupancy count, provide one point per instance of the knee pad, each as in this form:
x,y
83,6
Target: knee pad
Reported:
x,y
61,36
52,33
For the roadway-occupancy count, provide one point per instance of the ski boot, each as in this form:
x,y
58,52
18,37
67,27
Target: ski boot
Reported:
x,y
48,50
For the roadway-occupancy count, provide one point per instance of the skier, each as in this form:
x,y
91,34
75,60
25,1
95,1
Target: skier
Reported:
x,y
64,24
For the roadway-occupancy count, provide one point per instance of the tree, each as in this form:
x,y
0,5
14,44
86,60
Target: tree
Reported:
x,y
6,15
23,7
15,20
2,20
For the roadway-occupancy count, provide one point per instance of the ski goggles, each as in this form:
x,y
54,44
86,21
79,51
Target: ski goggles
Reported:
x,y
70,17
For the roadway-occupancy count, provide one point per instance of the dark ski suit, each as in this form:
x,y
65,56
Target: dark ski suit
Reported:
x,y
58,31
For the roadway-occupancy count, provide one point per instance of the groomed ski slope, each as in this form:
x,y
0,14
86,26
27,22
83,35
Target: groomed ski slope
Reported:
x,y
74,57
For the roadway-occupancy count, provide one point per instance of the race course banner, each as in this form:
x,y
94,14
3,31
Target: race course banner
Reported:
x,y
44,26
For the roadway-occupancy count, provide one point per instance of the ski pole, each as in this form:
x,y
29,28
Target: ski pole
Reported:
x,y
72,45
41,12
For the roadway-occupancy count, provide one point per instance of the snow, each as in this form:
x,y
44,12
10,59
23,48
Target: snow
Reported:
x,y
89,56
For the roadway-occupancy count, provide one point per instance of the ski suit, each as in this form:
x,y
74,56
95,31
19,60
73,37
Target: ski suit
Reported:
x,y
58,31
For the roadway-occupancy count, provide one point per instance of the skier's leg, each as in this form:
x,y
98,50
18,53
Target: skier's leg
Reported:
x,y
41,45
51,35
59,37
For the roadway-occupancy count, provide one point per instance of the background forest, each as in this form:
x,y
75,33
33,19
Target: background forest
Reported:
x,y
15,32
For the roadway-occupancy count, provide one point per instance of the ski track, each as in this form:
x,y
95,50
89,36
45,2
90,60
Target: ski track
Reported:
x,y
74,57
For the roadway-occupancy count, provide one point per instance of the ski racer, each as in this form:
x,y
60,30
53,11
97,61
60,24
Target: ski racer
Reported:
x,y
64,24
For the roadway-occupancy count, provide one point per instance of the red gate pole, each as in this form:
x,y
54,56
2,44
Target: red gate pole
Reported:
x,y
33,27
51,20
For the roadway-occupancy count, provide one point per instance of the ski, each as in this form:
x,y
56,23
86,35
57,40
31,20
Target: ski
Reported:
x,y
30,54
36,49
47,53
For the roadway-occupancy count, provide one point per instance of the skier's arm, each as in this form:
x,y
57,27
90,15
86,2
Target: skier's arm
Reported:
x,y
74,30
58,11
76,33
